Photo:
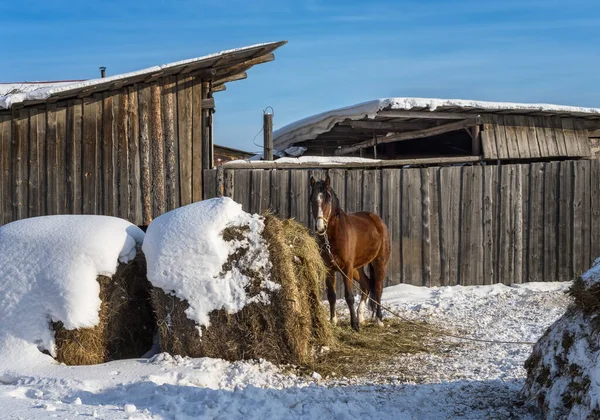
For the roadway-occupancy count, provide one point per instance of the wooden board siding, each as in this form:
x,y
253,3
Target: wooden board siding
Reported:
x,y
464,225
128,153
109,202
89,158
6,186
184,127
74,146
135,170
169,91
121,114
157,143
490,221
511,137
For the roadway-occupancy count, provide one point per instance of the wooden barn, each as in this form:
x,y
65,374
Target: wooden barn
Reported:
x,y
398,128
223,154
473,192
132,145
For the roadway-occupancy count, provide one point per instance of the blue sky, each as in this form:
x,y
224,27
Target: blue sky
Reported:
x,y
339,52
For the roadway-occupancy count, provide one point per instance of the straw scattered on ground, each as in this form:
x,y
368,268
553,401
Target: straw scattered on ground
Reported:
x,y
370,350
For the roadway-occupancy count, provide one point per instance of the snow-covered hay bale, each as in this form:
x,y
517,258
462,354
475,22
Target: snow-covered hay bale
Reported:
x,y
563,371
72,287
236,286
126,320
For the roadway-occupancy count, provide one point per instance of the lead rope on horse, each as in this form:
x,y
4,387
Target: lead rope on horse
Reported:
x,y
481,340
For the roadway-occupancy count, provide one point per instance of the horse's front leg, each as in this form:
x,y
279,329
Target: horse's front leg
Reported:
x,y
330,282
349,283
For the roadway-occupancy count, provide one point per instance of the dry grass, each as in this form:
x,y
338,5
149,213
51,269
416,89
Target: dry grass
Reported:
x,y
586,297
288,330
126,321
371,349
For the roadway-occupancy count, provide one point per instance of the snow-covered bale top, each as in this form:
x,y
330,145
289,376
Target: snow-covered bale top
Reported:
x,y
223,283
563,371
310,127
48,271
185,252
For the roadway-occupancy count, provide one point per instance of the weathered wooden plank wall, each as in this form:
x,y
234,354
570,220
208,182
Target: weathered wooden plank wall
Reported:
x,y
466,225
131,153
520,137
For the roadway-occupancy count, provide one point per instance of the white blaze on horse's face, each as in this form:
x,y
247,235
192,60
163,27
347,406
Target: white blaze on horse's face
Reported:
x,y
320,219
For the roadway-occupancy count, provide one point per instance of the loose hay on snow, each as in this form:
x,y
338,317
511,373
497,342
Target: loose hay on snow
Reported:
x,y
126,325
371,349
290,329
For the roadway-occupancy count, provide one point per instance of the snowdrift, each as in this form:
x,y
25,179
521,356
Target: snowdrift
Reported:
x,y
71,287
563,371
232,285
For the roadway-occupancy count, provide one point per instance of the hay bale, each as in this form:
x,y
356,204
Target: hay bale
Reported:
x,y
562,371
127,322
288,329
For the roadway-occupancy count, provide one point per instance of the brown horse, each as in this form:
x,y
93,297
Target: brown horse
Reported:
x,y
356,240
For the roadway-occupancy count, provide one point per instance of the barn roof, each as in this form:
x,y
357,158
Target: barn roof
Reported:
x,y
407,109
222,67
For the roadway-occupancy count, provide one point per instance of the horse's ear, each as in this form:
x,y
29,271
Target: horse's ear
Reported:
x,y
312,181
327,181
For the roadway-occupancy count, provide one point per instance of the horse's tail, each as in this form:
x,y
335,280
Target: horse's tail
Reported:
x,y
372,294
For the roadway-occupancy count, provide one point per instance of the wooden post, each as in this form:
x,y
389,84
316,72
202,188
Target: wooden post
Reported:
x,y
211,111
220,181
268,136
375,146
475,143
207,143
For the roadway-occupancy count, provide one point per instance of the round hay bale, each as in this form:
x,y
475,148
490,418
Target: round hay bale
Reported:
x,y
562,371
63,294
284,324
127,324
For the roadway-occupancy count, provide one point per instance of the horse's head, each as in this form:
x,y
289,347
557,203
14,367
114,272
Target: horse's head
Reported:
x,y
323,202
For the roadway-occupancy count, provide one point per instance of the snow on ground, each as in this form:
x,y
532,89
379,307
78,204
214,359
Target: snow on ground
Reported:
x,y
471,380
185,251
497,312
48,271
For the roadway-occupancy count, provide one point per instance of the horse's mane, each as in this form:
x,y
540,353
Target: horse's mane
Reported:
x,y
335,200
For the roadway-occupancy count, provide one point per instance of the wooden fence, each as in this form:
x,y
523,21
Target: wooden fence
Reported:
x,y
469,225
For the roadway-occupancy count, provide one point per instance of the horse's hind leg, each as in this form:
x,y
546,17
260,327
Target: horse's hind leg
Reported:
x,y
378,269
364,288
330,282
348,275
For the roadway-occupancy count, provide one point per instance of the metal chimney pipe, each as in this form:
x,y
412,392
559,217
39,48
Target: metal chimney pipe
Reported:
x,y
103,72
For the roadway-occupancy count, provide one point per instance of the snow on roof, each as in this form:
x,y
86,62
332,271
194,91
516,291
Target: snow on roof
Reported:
x,y
333,160
41,90
48,271
310,127
26,87
185,251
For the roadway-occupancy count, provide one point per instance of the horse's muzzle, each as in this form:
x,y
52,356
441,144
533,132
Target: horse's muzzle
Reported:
x,y
321,226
